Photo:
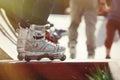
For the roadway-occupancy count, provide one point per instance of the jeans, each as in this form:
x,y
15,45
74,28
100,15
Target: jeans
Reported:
x,y
37,11
87,9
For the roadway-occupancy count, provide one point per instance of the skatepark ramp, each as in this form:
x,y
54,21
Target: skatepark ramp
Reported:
x,y
4,55
8,38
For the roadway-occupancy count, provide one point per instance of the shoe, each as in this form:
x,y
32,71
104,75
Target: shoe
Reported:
x,y
72,50
108,57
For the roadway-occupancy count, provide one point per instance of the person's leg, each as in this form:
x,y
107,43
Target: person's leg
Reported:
x,y
76,13
110,31
90,20
37,11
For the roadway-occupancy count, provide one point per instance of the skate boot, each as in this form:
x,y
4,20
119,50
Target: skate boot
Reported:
x,y
37,46
22,34
72,49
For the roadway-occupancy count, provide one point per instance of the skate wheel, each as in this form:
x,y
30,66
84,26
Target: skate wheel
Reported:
x,y
51,58
27,58
63,58
20,57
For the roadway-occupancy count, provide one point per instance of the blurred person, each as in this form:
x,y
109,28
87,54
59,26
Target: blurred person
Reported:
x,y
104,9
113,23
88,9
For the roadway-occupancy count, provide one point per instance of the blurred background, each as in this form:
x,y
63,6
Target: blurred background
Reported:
x,y
61,19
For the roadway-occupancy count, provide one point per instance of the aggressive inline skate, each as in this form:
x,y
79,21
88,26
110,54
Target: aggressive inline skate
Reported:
x,y
39,43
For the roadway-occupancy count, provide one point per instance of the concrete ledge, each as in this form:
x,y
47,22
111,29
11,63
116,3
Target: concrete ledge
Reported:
x,y
4,55
13,70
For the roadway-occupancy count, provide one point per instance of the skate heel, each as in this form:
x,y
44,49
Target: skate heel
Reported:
x,y
21,40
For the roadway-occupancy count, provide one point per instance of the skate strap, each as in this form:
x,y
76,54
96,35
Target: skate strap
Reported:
x,y
36,37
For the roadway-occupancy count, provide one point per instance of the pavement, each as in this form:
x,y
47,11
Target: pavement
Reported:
x,y
63,22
